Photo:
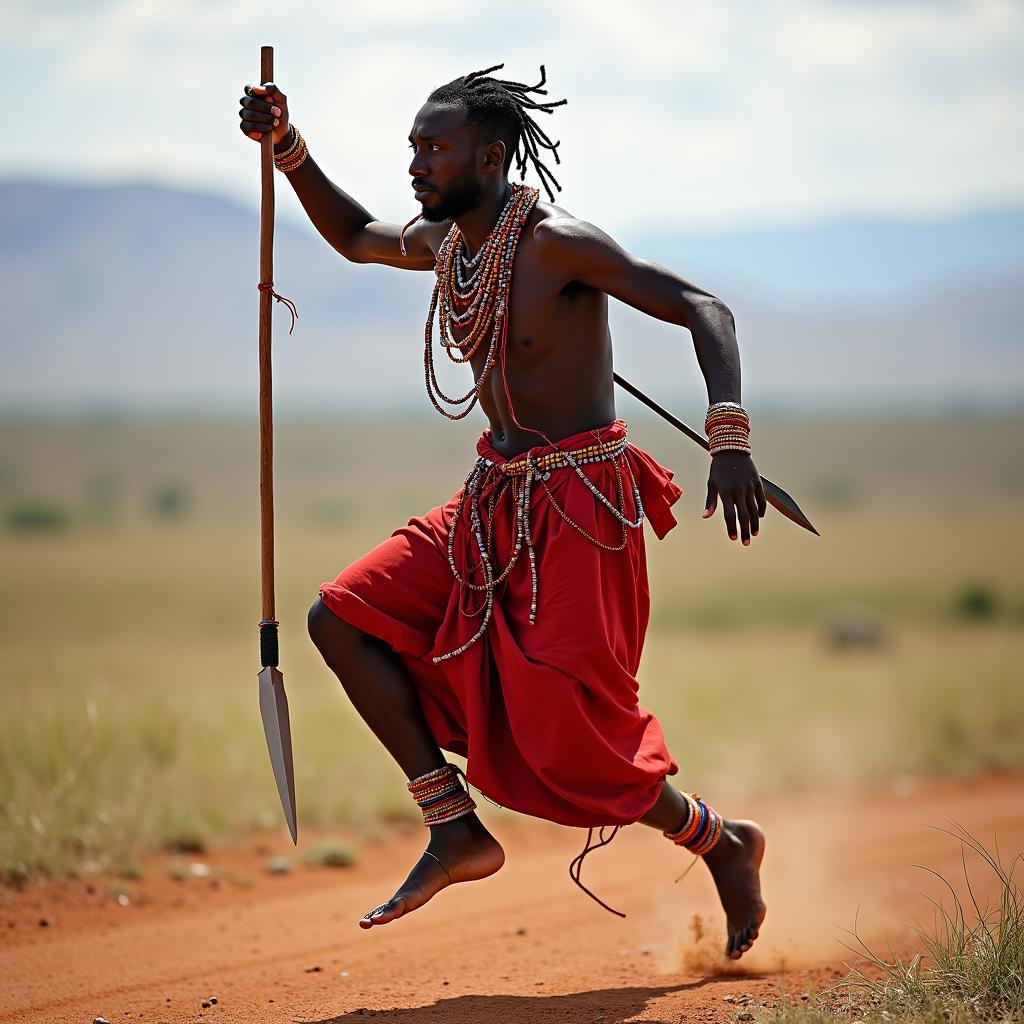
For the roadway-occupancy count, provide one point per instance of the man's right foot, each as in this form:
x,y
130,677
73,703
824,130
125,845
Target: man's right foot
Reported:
x,y
458,851
734,862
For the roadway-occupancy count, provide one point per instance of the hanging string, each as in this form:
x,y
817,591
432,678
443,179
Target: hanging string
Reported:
x,y
268,286
577,863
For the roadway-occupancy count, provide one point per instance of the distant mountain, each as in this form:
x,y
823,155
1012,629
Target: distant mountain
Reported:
x,y
143,297
879,262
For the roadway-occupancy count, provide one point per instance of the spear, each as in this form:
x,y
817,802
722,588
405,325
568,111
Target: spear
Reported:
x,y
273,702
772,492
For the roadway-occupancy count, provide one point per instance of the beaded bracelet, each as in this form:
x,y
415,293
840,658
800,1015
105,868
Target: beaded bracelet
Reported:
x,y
294,156
293,144
295,161
727,425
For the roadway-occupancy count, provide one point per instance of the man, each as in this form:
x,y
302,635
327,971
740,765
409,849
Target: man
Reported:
x,y
543,705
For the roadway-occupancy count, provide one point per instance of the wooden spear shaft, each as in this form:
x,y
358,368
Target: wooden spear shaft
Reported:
x,y
266,391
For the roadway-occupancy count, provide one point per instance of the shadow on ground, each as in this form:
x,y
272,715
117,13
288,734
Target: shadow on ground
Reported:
x,y
610,1006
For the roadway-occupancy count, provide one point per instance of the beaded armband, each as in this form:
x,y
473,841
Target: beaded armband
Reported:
x,y
703,828
727,426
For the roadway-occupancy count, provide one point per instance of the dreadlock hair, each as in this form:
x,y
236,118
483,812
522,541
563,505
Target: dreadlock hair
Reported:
x,y
498,109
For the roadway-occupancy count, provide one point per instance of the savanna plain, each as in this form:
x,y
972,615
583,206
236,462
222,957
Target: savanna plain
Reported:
x,y
872,670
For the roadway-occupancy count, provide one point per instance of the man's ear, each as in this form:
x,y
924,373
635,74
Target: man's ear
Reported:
x,y
494,157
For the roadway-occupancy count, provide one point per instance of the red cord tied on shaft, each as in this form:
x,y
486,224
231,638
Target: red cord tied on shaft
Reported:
x,y
268,286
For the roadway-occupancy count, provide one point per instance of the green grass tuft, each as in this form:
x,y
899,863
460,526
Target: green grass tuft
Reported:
x,y
332,854
969,968
178,870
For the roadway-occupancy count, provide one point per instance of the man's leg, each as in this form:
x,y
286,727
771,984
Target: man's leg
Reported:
x,y
382,692
734,862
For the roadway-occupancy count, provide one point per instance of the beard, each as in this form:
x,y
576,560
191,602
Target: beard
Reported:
x,y
460,197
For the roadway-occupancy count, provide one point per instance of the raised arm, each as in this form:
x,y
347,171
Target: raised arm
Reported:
x,y
344,224
576,250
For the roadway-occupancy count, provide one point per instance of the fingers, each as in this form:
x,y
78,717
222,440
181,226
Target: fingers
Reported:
x,y
261,121
753,513
258,110
748,506
254,130
729,511
267,91
712,501
261,109
745,509
743,512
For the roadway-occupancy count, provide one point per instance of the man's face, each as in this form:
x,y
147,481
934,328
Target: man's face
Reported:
x,y
444,161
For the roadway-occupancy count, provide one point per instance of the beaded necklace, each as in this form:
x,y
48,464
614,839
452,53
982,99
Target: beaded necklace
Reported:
x,y
473,291
476,291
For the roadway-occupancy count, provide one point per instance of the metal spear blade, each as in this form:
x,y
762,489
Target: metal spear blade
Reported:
x,y
776,496
274,711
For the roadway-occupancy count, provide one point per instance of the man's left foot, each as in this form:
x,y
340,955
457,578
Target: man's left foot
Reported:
x,y
459,851
735,863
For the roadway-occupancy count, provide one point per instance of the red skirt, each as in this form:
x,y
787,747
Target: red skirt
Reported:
x,y
546,714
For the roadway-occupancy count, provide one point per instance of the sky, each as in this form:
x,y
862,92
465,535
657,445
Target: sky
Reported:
x,y
704,114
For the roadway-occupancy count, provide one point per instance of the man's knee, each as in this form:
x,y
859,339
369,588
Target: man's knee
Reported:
x,y
328,630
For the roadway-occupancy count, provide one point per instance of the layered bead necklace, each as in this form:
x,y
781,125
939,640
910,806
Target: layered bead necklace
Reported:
x,y
476,291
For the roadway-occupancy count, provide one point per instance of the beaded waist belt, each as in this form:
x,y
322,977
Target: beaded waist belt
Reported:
x,y
557,460
488,481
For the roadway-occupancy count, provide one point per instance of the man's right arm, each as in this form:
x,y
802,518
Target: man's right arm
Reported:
x,y
345,224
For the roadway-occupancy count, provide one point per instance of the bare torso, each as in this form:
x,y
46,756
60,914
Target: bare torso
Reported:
x,y
558,360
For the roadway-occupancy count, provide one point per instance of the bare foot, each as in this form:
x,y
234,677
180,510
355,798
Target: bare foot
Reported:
x,y
734,864
459,851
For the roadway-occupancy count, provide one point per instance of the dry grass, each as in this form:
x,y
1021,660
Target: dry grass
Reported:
x,y
968,967
130,647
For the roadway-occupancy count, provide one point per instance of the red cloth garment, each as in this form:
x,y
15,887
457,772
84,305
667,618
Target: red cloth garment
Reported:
x,y
546,714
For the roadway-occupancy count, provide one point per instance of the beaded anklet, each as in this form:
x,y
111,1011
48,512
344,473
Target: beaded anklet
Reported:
x,y
703,827
441,796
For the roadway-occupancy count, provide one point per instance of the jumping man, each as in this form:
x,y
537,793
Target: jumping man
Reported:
x,y
507,624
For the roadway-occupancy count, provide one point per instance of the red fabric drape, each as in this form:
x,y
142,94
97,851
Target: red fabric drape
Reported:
x,y
547,714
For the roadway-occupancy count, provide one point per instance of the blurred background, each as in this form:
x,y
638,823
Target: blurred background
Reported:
x,y
845,175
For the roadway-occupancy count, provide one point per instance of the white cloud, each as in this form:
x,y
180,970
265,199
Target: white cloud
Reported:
x,y
678,112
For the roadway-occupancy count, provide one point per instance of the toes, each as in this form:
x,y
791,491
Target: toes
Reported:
x,y
739,942
745,939
382,914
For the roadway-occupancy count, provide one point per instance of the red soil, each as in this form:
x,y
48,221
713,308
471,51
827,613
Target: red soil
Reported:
x,y
524,945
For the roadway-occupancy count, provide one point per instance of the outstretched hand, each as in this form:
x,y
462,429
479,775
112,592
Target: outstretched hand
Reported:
x,y
735,479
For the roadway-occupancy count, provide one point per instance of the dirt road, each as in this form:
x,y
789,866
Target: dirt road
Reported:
x,y
525,945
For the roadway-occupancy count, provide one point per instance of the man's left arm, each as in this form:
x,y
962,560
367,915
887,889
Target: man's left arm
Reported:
x,y
583,252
